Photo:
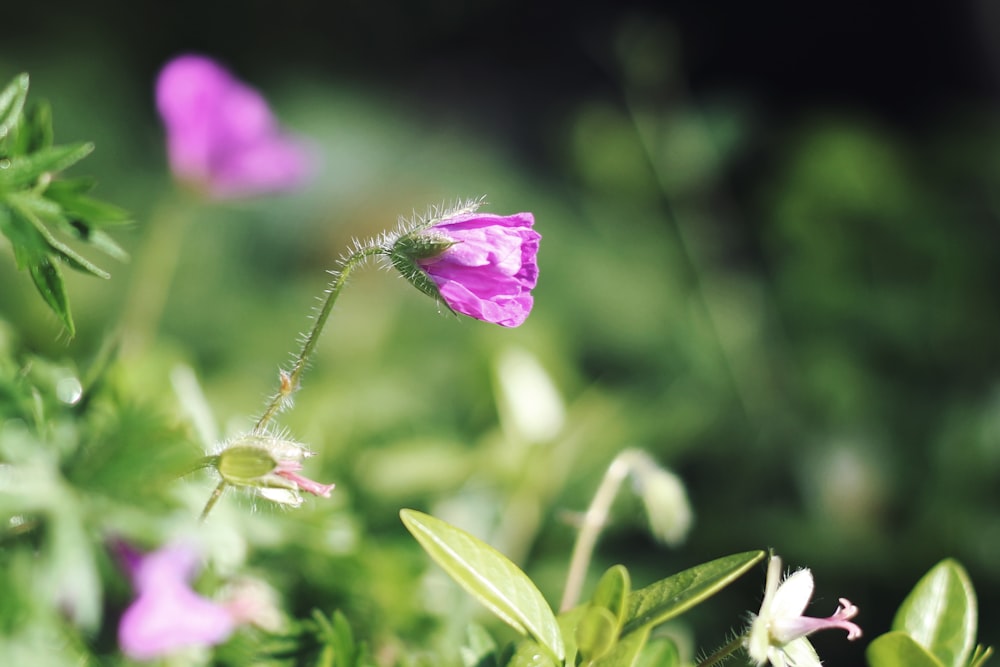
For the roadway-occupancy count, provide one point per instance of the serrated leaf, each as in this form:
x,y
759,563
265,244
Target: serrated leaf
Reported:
x,y
674,595
24,170
612,591
940,613
37,127
12,102
898,649
489,576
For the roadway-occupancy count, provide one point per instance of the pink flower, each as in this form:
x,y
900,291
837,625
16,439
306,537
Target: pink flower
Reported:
x,y
480,264
166,614
778,634
221,135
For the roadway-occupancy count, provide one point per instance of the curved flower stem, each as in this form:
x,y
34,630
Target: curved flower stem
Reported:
x,y
723,653
290,380
593,522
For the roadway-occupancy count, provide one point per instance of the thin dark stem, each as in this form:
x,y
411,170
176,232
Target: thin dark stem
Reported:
x,y
290,381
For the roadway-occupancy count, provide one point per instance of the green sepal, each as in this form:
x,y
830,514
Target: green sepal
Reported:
x,y
407,266
246,465
940,614
489,576
670,597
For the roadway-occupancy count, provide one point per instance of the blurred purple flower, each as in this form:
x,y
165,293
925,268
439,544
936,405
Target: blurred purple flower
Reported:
x,y
221,135
166,614
489,267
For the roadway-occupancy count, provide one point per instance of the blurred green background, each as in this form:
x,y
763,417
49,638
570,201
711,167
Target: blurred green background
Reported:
x,y
769,258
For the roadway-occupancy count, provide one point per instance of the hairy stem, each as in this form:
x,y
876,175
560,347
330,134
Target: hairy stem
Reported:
x,y
290,381
723,653
212,499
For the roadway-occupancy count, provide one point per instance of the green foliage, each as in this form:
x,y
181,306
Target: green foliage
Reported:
x,y
40,215
670,597
611,630
489,576
935,626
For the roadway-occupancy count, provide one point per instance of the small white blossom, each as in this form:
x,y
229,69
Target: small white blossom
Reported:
x,y
778,633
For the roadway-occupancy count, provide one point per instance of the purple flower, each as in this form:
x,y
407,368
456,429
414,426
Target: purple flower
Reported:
x,y
480,264
166,614
221,135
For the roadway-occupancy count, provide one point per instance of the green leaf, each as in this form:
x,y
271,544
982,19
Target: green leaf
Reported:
x,y
596,633
70,196
33,208
49,282
660,652
530,654
940,613
480,650
674,595
25,170
898,649
489,576
11,103
612,590
626,652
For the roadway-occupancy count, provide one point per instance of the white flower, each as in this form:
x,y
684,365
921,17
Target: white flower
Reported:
x,y
778,633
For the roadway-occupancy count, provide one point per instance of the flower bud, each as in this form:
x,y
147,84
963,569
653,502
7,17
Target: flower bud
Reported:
x,y
269,465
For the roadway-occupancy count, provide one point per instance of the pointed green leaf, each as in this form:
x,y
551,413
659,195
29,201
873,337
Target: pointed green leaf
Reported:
x,y
626,652
489,576
611,592
50,285
36,129
11,103
596,632
940,613
78,206
25,170
674,595
32,206
897,649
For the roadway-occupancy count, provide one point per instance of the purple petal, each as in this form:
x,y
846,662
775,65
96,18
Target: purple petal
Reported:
x,y
489,272
221,135
166,614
